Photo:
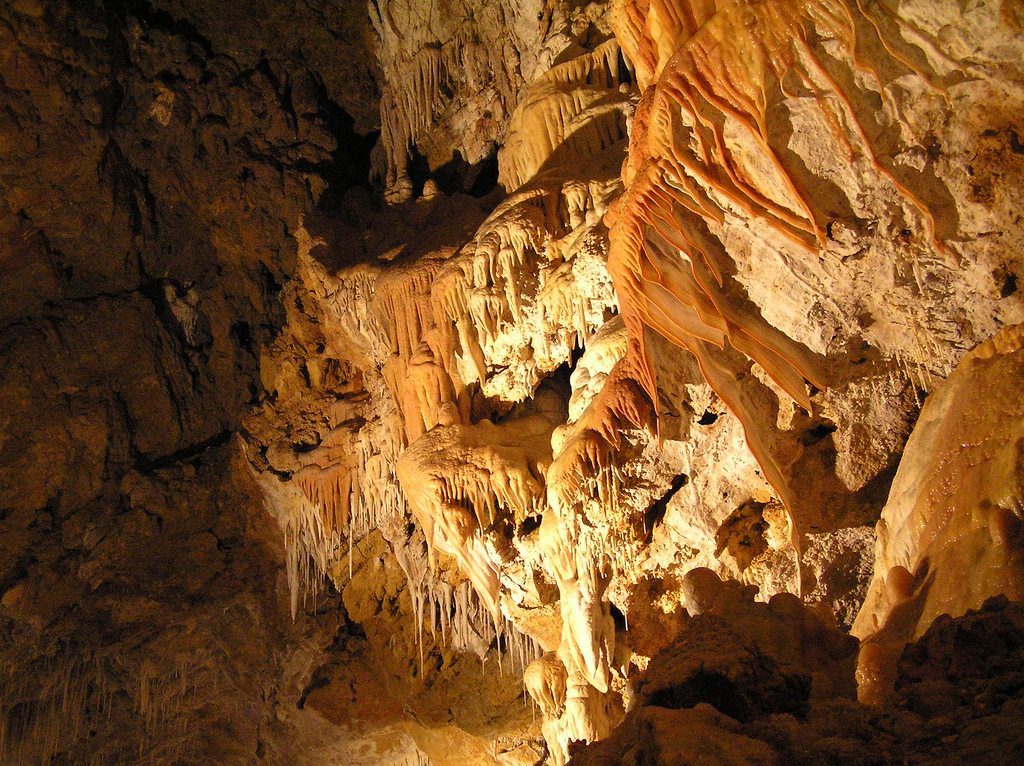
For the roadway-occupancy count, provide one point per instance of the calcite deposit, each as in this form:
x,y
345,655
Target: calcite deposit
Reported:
x,y
953,508
482,382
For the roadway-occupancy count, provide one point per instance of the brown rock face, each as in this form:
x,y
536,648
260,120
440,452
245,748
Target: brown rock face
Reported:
x,y
150,171
576,389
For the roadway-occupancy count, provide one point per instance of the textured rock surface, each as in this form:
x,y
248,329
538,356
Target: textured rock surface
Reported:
x,y
150,171
953,509
960,694
756,214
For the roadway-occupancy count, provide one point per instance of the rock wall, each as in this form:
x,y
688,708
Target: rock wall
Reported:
x,y
151,167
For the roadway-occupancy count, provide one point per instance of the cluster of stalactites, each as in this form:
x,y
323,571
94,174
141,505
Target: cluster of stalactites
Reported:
x,y
347,477
44,712
437,322
530,272
345,488
461,479
459,618
478,295
576,109
309,550
406,111
401,302
420,370
328,478
146,700
417,91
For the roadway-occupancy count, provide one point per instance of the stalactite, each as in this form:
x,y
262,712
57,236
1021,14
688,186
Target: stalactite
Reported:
x,y
467,621
48,713
520,279
545,680
459,480
573,110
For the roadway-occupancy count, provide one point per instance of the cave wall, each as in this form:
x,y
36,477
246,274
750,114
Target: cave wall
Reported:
x,y
323,444
154,159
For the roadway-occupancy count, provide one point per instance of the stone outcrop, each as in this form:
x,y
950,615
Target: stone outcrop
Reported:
x,y
953,509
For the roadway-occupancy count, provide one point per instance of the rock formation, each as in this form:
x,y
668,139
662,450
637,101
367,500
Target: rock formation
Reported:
x,y
958,701
406,383
952,509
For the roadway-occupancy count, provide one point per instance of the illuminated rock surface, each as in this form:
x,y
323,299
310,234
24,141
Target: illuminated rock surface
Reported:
x,y
953,509
408,383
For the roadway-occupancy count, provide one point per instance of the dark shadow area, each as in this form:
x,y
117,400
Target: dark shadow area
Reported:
x,y
350,161
529,525
655,514
457,176
816,433
712,688
483,176
708,418
159,19
757,690
617,617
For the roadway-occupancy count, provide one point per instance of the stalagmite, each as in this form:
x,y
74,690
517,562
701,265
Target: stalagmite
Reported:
x,y
955,506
